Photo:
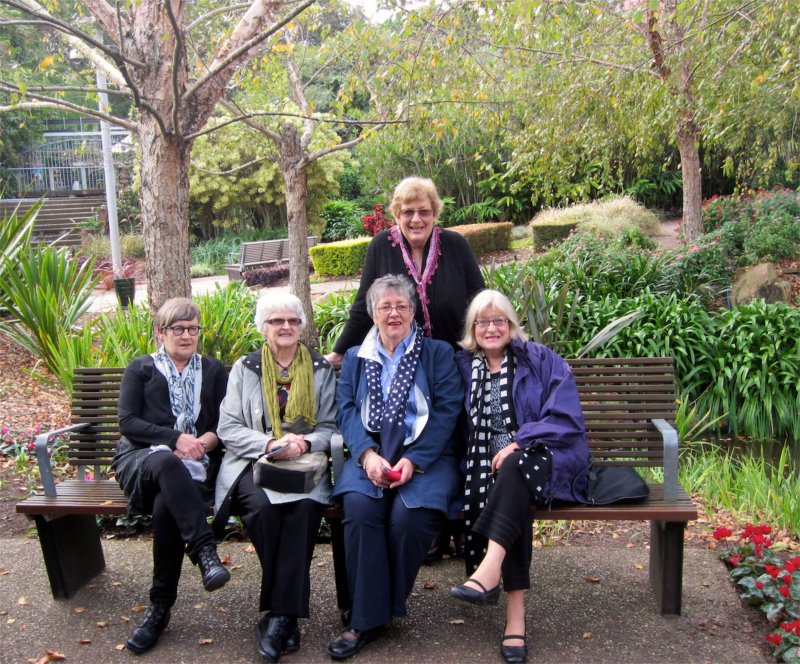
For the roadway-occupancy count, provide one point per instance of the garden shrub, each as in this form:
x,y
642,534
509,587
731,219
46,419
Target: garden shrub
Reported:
x,y
607,218
486,238
132,245
266,276
339,258
342,220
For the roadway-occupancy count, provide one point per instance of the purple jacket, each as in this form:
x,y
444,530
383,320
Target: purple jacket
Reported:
x,y
548,409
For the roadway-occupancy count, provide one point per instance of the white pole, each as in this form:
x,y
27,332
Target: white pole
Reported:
x,y
109,179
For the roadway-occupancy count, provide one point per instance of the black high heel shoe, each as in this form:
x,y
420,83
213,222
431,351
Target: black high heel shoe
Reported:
x,y
514,654
482,596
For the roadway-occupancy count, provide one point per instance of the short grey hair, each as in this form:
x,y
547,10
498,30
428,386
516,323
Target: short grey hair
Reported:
x,y
175,309
481,302
391,282
275,300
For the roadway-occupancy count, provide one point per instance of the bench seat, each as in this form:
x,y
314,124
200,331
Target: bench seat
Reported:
x,y
261,253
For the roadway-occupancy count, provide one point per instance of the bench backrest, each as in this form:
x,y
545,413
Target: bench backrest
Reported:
x,y
262,251
620,397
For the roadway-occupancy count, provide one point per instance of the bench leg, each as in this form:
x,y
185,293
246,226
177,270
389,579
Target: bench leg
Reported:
x,y
72,552
666,564
339,564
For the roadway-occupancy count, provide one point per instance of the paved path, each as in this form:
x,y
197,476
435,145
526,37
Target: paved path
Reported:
x,y
570,618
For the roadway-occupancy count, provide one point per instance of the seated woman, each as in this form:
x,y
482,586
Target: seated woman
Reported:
x,y
168,456
527,442
281,400
399,398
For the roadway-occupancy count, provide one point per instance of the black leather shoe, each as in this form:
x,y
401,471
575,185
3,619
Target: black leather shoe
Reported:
x,y
343,648
146,635
483,596
291,636
514,654
214,573
270,636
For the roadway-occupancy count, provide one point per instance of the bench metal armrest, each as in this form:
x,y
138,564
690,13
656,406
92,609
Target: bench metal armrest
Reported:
x,y
670,436
337,456
43,456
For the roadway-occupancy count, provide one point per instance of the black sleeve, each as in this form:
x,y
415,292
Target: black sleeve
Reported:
x,y
138,387
472,275
360,322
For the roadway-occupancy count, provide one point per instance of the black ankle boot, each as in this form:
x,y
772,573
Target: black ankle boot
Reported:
x,y
270,635
291,636
146,635
214,573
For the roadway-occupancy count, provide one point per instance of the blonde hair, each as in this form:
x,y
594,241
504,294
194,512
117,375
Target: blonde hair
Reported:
x,y
482,301
273,301
175,309
413,189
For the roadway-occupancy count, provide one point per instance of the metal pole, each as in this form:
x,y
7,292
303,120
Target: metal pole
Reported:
x,y
109,179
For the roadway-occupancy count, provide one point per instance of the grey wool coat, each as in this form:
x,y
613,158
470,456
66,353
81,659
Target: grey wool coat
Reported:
x,y
245,428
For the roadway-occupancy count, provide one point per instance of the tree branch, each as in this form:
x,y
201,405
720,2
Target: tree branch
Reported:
x,y
211,14
176,62
236,169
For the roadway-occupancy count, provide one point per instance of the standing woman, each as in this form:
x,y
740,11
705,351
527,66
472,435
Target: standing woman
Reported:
x,y
168,456
527,444
399,397
281,400
440,263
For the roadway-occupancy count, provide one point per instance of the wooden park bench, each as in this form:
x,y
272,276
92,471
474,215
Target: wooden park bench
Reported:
x,y
259,254
628,406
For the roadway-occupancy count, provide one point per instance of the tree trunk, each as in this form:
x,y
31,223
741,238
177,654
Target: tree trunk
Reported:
x,y
165,210
688,140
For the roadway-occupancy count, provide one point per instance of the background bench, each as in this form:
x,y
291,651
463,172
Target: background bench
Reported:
x,y
259,254
628,405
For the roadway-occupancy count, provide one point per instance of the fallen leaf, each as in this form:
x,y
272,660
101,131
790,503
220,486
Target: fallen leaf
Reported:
x,y
638,566
199,606
79,609
3,613
250,548
3,571
102,624
138,608
593,579
11,621
225,560
457,621
222,609
587,635
125,618
235,567
53,656
107,502
84,642
23,600
120,646
205,642
629,545
430,585
116,583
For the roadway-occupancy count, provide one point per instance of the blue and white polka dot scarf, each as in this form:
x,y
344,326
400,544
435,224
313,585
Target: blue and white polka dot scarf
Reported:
x,y
389,417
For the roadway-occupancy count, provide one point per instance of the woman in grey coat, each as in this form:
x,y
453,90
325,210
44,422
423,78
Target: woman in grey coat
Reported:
x,y
280,401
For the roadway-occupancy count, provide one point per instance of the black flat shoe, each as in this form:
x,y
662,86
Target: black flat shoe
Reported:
x,y
343,648
514,654
481,597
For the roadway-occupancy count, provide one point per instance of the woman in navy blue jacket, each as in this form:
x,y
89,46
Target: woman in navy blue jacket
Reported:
x,y
399,397
527,444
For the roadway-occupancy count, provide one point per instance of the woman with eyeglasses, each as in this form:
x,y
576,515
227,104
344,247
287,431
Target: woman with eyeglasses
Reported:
x,y
527,444
399,398
168,456
439,262
280,401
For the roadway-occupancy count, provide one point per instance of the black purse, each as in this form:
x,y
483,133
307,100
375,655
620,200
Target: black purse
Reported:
x,y
608,485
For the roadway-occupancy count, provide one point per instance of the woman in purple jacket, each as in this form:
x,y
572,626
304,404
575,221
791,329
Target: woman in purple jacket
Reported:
x,y
527,444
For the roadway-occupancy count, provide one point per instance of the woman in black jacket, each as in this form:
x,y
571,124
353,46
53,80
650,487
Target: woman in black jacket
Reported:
x,y
168,456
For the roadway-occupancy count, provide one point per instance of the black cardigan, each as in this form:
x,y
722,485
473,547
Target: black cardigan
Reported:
x,y
456,281
145,419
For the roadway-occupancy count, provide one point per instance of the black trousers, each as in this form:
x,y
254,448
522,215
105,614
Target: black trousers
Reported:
x,y
284,536
179,521
508,520
385,544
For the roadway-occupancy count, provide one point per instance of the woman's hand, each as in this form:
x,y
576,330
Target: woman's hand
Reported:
x,y
406,469
374,464
334,359
189,447
210,440
291,444
498,459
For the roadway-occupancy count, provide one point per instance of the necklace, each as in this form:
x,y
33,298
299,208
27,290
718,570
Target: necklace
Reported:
x,y
284,367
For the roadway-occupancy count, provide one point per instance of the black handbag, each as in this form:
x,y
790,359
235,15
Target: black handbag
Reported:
x,y
607,485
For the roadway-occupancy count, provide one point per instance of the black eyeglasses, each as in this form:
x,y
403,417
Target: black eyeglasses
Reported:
x,y
280,322
178,330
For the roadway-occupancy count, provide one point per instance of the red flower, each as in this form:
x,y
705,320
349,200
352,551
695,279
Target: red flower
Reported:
x,y
774,639
721,533
787,579
734,559
759,585
792,564
772,570
784,590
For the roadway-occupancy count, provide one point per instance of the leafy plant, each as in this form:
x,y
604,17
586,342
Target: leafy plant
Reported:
x,y
330,316
342,220
376,221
